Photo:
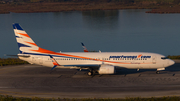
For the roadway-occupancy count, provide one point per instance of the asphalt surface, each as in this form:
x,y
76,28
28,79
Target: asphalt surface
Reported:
x,y
39,81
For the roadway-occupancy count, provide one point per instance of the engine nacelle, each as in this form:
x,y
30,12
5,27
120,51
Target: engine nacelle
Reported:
x,y
106,69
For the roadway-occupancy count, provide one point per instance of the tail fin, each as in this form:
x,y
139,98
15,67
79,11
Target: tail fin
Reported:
x,y
25,43
85,49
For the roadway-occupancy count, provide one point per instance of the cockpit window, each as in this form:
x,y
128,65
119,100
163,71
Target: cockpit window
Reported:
x,y
164,58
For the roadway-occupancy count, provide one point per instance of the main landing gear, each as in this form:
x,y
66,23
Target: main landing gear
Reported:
x,y
91,73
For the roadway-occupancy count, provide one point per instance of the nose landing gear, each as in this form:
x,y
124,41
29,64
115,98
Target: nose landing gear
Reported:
x,y
157,72
159,69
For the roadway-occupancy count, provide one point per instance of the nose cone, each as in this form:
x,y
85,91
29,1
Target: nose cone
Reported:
x,y
171,62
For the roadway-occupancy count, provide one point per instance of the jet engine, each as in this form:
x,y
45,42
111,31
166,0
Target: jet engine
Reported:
x,y
106,69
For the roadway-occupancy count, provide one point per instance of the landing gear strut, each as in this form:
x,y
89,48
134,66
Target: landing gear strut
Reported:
x,y
91,73
159,69
157,72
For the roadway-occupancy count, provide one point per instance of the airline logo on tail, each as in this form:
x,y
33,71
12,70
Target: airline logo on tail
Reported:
x,y
25,43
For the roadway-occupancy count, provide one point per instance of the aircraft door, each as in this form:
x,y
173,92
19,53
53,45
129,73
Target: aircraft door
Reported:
x,y
34,59
37,60
154,59
40,60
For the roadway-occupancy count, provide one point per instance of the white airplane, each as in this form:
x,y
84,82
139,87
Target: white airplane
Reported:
x,y
95,62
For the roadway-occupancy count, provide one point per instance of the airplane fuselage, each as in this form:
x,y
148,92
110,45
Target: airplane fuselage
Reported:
x,y
130,60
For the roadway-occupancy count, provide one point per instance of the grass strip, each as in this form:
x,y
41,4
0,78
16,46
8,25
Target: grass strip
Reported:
x,y
10,98
36,7
11,61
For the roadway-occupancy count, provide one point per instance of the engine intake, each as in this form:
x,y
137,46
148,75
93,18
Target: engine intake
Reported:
x,y
106,69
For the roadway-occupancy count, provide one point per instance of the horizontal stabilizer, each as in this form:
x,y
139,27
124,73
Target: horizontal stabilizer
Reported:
x,y
18,55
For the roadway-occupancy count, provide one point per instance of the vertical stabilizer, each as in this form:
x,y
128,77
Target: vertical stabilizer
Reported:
x,y
25,43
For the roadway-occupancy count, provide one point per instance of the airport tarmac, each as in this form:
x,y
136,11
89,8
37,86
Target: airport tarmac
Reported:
x,y
39,81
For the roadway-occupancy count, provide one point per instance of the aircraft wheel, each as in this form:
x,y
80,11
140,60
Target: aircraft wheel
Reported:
x,y
157,72
90,73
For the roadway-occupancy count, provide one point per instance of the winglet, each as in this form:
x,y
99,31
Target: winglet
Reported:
x,y
55,63
85,49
